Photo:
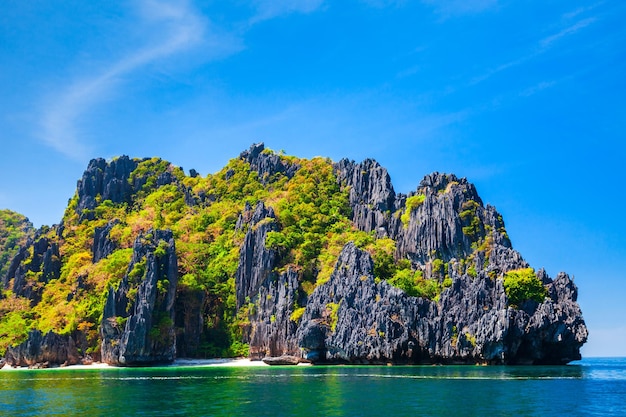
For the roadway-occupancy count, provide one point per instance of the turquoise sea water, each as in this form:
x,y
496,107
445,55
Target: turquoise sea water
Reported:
x,y
592,387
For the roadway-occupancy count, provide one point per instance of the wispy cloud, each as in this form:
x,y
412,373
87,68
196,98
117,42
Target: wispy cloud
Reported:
x,y
580,10
384,3
181,28
542,47
548,41
493,71
537,88
409,71
449,8
170,28
269,9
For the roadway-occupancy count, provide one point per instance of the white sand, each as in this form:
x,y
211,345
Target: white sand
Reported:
x,y
95,365
240,362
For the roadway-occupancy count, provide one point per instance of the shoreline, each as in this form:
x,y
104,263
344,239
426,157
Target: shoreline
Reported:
x,y
178,363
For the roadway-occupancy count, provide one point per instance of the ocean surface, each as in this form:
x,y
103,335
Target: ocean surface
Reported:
x,y
592,387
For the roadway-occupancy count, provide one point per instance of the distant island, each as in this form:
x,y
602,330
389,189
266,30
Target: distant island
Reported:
x,y
276,256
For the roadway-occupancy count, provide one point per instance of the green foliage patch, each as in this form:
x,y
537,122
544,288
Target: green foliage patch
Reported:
x,y
15,229
522,285
312,226
412,203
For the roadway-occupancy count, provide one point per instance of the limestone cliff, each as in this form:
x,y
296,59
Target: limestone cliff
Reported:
x,y
137,324
276,255
353,319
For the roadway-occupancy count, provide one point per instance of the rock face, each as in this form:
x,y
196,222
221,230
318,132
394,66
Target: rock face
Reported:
x,y
449,222
267,297
267,164
272,327
372,197
43,351
255,260
15,230
441,232
117,181
36,263
138,321
353,319
105,181
103,246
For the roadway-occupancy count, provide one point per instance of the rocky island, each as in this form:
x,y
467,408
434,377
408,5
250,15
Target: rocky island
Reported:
x,y
276,256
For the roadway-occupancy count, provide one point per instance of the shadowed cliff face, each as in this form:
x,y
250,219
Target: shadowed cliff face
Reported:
x,y
35,264
138,321
353,319
267,297
320,286
372,197
105,181
41,350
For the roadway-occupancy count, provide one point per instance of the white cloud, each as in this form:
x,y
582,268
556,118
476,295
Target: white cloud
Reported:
x,y
384,3
581,10
169,28
548,41
537,88
179,28
489,73
543,46
460,7
269,9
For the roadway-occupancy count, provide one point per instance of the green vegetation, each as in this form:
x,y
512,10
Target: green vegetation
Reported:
x,y
471,222
17,320
311,227
412,203
414,284
297,314
332,311
15,229
522,285
470,338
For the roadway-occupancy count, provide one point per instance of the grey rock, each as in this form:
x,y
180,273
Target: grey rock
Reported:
x,y
138,321
106,181
267,165
372,197
44,263
41,350
282,360
103,246
256,261
272,329
353,319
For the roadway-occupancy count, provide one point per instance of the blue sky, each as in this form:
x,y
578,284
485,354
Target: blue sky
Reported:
x,y
525,99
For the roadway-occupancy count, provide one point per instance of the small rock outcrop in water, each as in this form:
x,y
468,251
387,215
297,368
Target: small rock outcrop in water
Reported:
x,y
138,322
282,360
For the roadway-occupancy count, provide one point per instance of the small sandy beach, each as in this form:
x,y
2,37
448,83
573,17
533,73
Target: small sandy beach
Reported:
x,y
238,362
